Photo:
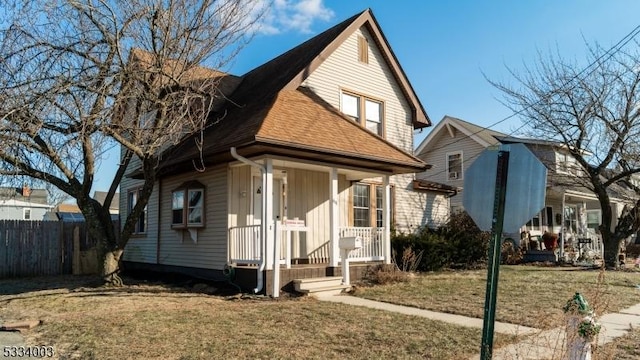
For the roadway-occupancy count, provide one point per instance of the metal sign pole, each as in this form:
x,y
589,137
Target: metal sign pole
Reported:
x,y
486,350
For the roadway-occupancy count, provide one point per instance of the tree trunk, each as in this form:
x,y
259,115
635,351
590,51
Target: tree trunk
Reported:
x,y
111,267
611,251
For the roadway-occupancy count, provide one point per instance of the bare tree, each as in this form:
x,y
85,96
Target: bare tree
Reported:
x,y
595,113
79,76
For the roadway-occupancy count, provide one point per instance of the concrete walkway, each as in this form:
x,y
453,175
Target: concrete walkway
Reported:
x,y
535,344
502,328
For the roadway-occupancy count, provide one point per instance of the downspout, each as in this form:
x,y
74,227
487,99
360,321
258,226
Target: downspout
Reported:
x,y
263,220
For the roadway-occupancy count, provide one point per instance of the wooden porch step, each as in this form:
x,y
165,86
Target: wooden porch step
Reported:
x,y
310,284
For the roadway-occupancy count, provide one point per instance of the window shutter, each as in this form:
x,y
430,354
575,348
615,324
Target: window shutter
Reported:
x,y
363,50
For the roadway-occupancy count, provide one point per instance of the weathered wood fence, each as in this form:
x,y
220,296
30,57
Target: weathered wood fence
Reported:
x,y
35,248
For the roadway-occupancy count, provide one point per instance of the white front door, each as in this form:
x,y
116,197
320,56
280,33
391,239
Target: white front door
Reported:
x,y
257,200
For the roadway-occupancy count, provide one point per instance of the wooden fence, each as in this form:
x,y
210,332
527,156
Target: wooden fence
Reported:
x,y
36,248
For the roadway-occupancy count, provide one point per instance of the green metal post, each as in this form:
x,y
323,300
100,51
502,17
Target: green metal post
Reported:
x,y
491,294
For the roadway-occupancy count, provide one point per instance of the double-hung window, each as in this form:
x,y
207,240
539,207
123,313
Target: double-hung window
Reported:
x,y
132,199
454,166
187,206
367,205
365,111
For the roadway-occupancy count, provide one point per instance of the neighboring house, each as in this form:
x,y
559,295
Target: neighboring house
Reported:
x,y
571,209
450,149
23,203
70,212
322,133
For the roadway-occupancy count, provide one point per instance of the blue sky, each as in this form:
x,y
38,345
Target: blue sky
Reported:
x,y
445,47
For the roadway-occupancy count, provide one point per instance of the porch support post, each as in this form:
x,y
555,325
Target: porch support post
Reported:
x,y
334,233
386,220
562,229
267,211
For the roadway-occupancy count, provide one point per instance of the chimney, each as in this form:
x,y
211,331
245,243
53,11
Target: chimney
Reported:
x,y
26,190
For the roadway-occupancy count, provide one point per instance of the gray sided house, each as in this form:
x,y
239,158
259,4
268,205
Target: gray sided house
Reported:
x,y
23,203
318,140
571,209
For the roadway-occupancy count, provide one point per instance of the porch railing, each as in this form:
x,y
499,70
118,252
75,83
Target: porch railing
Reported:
x,y
372,244
245,245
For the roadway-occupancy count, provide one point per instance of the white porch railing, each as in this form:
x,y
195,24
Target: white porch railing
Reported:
x,y
372,244
245,245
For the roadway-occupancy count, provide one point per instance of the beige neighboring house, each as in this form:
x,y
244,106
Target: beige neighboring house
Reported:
x,y
570,209
450,149
319,139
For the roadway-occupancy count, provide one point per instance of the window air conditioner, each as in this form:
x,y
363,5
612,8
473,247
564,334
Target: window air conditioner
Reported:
x,y
453,175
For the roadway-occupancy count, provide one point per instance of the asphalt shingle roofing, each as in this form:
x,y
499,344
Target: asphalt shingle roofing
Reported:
x,y
269,108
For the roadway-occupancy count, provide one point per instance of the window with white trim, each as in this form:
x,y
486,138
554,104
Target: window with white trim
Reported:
x,y
187,206
454,166
365,111
132,199
361,205
26,214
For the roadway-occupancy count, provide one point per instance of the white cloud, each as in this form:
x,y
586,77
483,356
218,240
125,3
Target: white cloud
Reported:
x,y
292,15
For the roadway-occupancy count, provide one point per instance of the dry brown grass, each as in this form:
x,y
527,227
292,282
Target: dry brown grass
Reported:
x,y
153,321
527,295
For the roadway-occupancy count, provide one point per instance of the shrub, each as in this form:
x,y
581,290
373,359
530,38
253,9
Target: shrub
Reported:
x,y
385,274
459,244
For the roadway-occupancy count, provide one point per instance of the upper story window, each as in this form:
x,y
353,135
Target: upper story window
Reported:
x,y
363,50
187,206
454,166
567,164
365,111
132,199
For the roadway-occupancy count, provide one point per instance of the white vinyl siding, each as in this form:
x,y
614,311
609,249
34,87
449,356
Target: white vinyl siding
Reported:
x,y
177,248
342,71
307,199
442,145
141,247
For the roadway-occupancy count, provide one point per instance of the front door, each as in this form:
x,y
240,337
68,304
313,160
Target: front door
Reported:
x,y
257,200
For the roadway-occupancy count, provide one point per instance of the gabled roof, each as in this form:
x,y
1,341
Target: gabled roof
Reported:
x,y
449,124
100,196
39,196
252,123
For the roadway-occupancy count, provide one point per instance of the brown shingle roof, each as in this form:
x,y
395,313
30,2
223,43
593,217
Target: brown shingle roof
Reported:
x,y
252,116
302,119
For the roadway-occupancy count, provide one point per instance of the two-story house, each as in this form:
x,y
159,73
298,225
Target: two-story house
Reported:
x,y
23,203
319,139
571,209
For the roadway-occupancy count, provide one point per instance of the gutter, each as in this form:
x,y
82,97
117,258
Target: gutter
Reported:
x,y
263,225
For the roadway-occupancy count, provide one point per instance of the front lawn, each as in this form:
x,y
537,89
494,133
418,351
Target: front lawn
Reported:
x,y
527,295
154,321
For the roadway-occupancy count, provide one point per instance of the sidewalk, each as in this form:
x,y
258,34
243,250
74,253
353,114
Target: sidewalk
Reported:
x,y
503,328
536,344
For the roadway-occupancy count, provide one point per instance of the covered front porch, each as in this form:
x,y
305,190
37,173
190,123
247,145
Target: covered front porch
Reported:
x,y
575,217
288,213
